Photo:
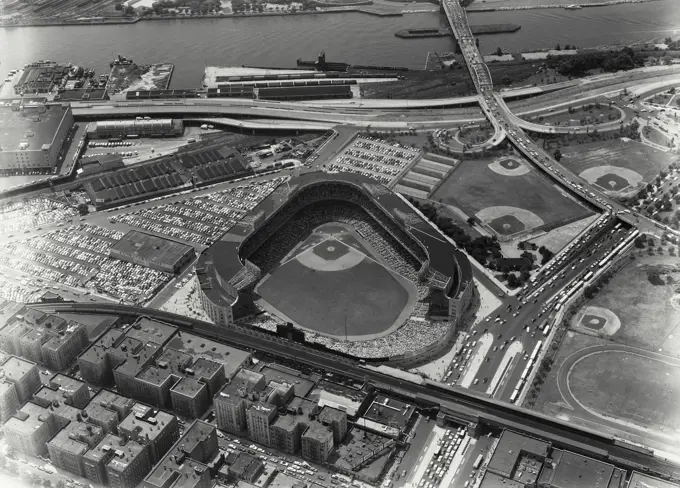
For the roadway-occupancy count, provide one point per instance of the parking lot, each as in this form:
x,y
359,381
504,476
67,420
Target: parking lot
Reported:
x,y
200,220
30,214
78,257
374,157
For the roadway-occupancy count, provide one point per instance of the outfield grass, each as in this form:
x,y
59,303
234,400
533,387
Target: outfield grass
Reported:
x,y
633,155
549,399
473,186
645,310
367,297
630,387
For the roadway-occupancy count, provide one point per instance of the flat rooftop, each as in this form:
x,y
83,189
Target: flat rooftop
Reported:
x,y
144,424
167,468
30,127
231,358
28,419
124,455
15,367
302,384
641,480
188,387
244,382
76,437
576,471
65,383
509,449
492,480
151,249
389,411
103,449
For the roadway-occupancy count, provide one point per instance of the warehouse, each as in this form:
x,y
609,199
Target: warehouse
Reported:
x,y
120,129
322,92
153,252
32,137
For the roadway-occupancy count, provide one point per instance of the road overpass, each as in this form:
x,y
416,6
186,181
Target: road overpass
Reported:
x,y
454,402
497,111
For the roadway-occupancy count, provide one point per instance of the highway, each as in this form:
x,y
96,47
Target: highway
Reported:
x,y
385,114
524,313
459,403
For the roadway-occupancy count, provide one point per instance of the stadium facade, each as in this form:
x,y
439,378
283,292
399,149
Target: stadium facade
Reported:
x,y
230,269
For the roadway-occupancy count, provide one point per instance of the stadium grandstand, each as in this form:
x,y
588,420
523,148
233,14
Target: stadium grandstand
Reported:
x,y
232,267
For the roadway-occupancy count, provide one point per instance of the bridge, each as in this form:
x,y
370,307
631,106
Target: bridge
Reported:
x,y
454,402
496,110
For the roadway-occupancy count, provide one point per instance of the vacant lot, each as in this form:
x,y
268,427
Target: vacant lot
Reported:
x,y
474,186
631,155
648,314
630,387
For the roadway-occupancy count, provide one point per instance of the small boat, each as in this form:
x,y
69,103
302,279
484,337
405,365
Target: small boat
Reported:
x,y
573,7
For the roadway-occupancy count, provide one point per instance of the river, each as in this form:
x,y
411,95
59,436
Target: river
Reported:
x,y
358,38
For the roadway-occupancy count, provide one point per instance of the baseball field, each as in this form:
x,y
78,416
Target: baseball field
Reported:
x,y
508,195
615,165
332,286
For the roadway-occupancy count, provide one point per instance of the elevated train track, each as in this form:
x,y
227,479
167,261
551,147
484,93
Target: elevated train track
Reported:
x,y
453,402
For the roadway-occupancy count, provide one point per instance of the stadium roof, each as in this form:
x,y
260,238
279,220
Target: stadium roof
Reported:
x,y
224,259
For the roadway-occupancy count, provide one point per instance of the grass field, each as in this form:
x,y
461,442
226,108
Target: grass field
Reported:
x,y
633,155
362,300
630,387
574,119
648,317
473,186
657,137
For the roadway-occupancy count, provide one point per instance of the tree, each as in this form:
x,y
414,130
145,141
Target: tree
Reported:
x,y
129,10
558,48
557,154
118,6
499,51
82,209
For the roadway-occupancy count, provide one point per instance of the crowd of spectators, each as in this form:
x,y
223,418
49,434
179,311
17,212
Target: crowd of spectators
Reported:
x,y
202,219
321,204
29,214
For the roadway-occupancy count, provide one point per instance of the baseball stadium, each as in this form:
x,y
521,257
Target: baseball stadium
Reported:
x,y
345,261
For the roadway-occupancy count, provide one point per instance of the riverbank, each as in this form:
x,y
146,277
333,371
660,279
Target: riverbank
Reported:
x,y
606,3
364,8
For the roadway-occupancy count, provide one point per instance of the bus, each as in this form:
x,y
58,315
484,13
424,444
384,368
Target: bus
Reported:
x,y
588,275
515,394
537,349
478,461
546,331
525,373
